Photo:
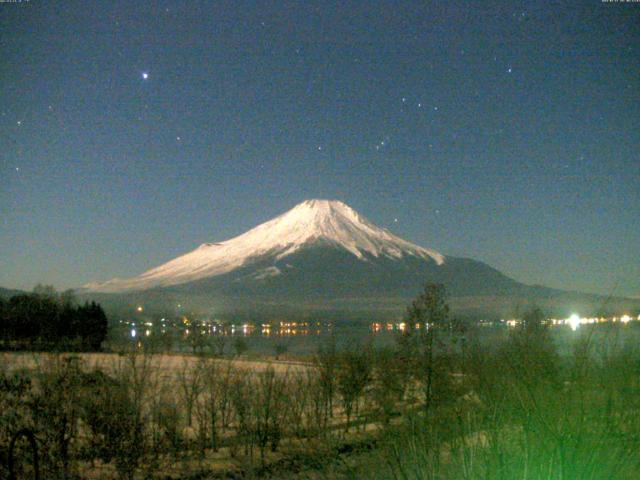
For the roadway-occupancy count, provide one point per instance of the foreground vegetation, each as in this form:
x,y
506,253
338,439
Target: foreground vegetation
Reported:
x,y
438,405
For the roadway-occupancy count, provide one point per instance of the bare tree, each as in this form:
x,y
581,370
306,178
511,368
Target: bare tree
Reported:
x,y
115,412
240,399
354,374
388,382
190,384
267,408
214,403
326,362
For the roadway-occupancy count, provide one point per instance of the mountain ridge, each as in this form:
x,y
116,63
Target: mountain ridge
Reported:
x,y
313,221
322,254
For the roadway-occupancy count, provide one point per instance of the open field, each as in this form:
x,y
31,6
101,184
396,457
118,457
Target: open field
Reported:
x,y
227,415
165,364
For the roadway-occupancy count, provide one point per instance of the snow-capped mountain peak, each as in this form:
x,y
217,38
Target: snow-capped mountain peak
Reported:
x,y
328,222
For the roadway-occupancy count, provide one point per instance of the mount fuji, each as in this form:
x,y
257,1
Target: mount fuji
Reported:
x,y
322,254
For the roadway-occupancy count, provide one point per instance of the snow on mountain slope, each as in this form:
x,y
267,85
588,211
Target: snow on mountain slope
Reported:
x,y
313,221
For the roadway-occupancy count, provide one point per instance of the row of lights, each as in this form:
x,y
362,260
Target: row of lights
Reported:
x,y
574,321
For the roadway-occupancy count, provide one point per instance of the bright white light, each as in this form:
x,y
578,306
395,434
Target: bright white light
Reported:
x,y
625,318
574,322
147,332
145,75
133,333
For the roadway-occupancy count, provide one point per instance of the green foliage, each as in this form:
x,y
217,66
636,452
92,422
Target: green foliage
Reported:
x,y
527,412
240,346
280,349
389,383
424,344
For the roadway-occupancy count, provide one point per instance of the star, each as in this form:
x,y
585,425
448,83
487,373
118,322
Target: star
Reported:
x,y
178,138
17,169
145,75
319,148
509,70
395,220
19,122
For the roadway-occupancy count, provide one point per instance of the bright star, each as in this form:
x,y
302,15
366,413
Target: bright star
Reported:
x,y
145,75
509,70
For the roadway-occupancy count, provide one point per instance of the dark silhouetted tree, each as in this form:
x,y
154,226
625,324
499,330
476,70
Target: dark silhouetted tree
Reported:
x,y
426,319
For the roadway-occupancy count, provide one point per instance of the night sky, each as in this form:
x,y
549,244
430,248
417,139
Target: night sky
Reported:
x,y
509,132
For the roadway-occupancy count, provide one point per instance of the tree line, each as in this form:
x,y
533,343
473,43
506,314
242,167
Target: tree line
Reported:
x,y
46,320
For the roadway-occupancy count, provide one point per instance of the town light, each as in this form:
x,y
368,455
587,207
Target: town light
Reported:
x,y
574,322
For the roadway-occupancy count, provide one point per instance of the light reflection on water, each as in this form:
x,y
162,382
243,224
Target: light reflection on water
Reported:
x,y
305,337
